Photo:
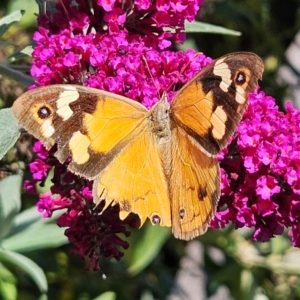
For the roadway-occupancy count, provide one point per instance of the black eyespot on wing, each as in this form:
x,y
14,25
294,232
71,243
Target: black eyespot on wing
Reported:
x,y
240,78
156,220
181,213
44,112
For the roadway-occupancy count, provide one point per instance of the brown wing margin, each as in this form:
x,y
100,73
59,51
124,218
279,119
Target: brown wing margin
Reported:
x,y
194,187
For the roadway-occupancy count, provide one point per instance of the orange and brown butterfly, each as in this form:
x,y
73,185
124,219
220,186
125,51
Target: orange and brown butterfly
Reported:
x,y
160,163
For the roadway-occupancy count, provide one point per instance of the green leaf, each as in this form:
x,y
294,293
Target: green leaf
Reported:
x,y
9,20
27,218
33,238
208,28
16,75
10,202
147,247
31,9
9,130
107,296
28,266
25,52
8,288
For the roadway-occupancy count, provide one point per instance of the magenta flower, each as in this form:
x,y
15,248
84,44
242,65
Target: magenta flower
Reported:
x,y
267,186
153,21
261,187
39,169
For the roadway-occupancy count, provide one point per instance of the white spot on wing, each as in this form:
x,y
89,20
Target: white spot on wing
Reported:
x,y
79,144
240,96
222,69
47,129
65,98
218,120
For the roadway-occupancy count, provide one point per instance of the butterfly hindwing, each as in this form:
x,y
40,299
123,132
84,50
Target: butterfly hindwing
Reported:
x,y
135,179
194,186
210,106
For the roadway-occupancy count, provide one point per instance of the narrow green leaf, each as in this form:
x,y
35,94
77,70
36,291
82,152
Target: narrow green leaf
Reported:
x,y
27,218
107,296
25,52
31,9
28,50
33,238
28,266
16,75
10,202
9,131
8,284
208,28
147,247
9,20
8,290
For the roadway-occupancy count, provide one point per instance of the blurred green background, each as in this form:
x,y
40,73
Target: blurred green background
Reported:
x,y
219,265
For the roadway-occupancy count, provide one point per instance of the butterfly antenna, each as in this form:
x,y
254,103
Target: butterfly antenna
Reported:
x,y
154,83
183,70
189,62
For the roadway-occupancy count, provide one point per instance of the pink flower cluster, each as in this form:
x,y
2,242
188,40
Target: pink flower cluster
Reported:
x,y
155,21
118,63
260,172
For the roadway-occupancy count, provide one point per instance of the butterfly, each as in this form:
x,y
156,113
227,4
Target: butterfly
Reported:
x,y
159,163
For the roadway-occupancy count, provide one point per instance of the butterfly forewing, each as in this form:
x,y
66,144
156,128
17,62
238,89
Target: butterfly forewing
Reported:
x,y
89,125
210,106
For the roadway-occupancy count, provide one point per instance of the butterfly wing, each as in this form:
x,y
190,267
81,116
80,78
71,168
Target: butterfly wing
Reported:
x,y
210,106
87,124
135,179
194,186
204,115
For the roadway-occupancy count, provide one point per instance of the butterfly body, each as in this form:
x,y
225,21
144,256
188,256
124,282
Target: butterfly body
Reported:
x,y
160,118
158,163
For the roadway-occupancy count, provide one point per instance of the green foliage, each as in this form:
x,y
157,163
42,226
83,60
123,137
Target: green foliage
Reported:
x,y
21,232
148,244
6,70
7,21
9,131
208,28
